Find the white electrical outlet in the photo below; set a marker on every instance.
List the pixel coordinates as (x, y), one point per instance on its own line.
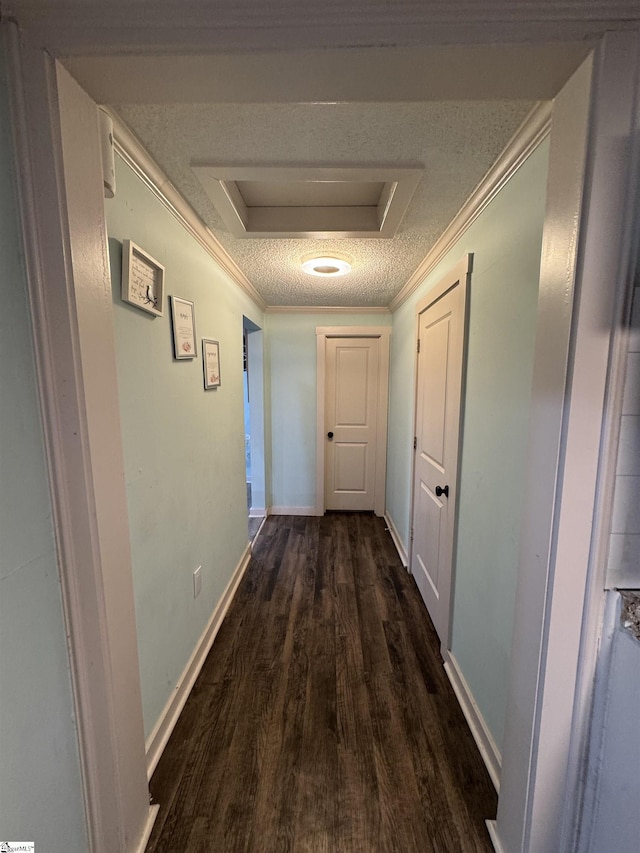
(197, 581)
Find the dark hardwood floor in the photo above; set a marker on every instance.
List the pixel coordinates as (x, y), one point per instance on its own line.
(322, 719)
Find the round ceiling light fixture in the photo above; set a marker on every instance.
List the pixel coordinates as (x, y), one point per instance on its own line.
(326, 266)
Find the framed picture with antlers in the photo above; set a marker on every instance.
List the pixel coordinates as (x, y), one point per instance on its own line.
(142, 279)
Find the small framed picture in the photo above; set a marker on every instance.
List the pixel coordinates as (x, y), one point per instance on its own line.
(211, 363)
(184, 328)
(142, 279)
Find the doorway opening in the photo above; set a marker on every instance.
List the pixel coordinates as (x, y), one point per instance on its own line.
(254, 425)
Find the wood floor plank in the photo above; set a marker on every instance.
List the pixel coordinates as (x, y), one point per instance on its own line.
(358, 813)
(281, 737)
(322, 719)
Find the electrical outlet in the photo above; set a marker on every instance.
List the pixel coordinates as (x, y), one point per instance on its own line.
(197, 581)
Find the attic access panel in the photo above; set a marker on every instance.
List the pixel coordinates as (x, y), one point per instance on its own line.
(314, 202)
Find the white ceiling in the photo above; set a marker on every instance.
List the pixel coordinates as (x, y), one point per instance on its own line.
(438, 85)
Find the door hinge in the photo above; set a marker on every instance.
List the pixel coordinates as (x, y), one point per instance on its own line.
(411, 535)
(418, 344)
(415, 442)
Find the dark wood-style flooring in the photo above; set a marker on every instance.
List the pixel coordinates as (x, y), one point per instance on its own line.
(322, 719)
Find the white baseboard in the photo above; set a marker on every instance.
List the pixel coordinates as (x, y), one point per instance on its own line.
(493, 835)
(481, 734)
(397, 541)
(257, 512)
(141, 846)
(292, 510)
(161, 733)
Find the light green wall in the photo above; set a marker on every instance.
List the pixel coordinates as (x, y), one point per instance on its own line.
(40, 789)
(291, 348)
(183, 446)
(506, 241)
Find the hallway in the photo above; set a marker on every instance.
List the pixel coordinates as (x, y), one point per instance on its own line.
(322, 719)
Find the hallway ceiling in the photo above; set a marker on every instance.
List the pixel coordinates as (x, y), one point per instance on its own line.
(445, 114)
(453, 144)
(301, 84)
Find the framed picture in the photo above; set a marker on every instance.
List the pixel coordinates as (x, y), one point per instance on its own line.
(211, 363)
(184, 328)
(142, 279)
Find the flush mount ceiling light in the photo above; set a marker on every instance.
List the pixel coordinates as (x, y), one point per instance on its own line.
(326, 266)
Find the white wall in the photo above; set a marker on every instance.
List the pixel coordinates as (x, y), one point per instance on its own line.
(623, 569)
(612, 812)
(41, 797)
(291, 358)
(506, 241)
(183, 446)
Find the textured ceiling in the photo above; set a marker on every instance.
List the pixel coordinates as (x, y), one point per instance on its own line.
(455, 142)
(297, 82)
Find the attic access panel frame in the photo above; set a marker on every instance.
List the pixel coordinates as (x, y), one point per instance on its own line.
(316, 221)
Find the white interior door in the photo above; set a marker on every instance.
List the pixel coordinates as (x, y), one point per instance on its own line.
(441, 324)
(351, 419)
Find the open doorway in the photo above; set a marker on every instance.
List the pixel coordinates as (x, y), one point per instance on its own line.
(254, 425)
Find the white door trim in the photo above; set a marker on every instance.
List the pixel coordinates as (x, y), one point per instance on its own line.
(463, 268)
(383, 333)
(62, 211)
(459, 276)
(589, 244)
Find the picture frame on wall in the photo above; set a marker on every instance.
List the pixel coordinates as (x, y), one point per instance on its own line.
(211, 363)
(142, 279)
(184, 328)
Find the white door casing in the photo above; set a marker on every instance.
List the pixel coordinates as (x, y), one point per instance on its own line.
(62, 210)
(588, 261)
(441, 347)
(352, 397)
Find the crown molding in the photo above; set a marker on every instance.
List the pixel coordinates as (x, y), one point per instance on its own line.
(325, 309)
(140, 161)
(533, 130)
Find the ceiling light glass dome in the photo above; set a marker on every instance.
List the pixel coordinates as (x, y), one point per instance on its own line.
(326, 266)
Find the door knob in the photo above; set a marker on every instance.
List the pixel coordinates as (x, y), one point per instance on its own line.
(329, 435)
(440, 491)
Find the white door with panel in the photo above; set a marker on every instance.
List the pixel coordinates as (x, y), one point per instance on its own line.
(441, 325)
(352, 369)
